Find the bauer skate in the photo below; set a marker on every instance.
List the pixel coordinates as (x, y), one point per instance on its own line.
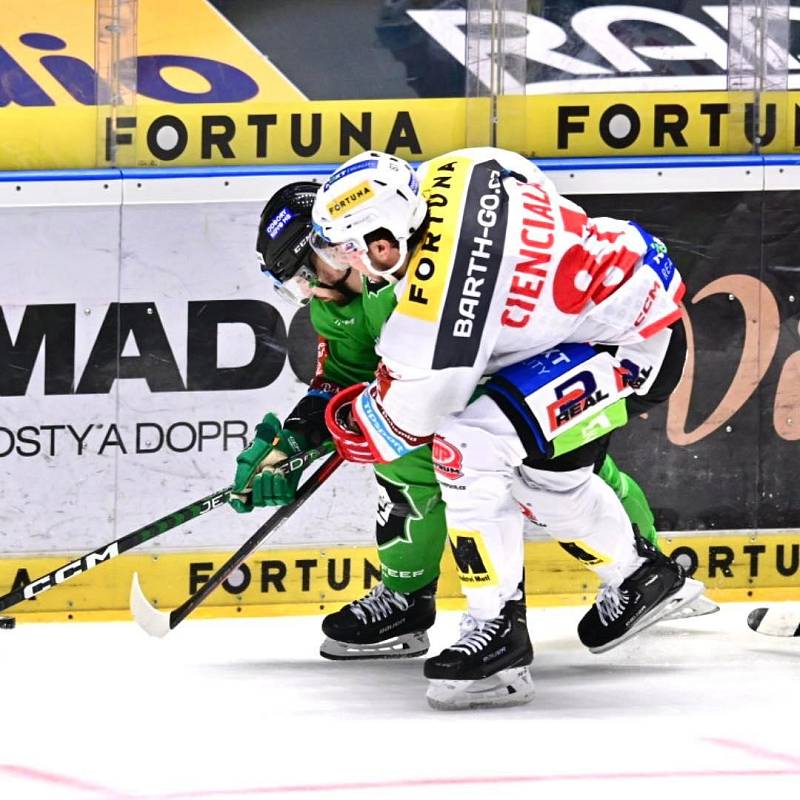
(656, 589)
(382, 624)
(488, 666)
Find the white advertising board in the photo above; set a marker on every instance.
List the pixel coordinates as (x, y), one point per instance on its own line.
(140, 344)
(147, 345)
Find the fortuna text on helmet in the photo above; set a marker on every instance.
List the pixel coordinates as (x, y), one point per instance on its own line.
(371, 191)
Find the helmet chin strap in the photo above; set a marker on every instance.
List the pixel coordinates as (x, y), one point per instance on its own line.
(387, 273)
(337, 284)
(341, 286)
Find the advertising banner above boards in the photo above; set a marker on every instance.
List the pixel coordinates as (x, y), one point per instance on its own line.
(418, 48)
(251, 83)
(318, 580)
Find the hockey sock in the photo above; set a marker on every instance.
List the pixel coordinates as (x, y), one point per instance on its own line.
(632, 497)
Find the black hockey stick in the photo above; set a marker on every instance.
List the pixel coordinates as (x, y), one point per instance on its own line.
(160, 623)
(140, 535)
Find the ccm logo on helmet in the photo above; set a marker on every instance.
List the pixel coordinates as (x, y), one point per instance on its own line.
(349, 200)
(301, 244)
(447, 459)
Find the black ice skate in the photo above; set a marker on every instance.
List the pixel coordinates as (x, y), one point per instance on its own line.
(382, 624)
(487, 666)
(657, 589)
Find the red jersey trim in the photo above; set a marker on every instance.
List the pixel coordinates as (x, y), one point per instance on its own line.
(659, 325)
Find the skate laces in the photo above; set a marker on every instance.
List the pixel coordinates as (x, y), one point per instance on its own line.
(378, 604)
(611, 603)
(476, 633)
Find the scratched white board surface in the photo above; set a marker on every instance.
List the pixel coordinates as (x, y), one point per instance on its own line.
(203, 348)
(168, 294)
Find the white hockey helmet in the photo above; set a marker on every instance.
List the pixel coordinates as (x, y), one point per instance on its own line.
(373, 190)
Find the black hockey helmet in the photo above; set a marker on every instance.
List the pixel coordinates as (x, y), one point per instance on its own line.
(282, 244)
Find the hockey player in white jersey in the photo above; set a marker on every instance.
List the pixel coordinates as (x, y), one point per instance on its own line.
(509, 283)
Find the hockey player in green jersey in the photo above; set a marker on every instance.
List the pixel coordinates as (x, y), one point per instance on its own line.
(348, 312)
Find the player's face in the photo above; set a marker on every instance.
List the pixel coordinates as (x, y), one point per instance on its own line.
(330, 283)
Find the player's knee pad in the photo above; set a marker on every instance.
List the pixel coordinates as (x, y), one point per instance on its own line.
(563, 399)
(558, 499)
(576, 506)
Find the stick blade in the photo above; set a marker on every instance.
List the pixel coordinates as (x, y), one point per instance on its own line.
(147, 617)
(775, 621)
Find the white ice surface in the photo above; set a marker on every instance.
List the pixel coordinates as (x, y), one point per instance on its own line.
(247, 709)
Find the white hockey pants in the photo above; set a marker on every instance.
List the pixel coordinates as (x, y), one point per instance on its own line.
(478, 460)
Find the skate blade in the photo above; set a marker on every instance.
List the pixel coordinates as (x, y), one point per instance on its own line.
(409, 645)
(510, 687)
(690, 590)
(698, 607)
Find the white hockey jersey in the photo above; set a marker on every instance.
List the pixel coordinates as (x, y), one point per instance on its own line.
(508, 268)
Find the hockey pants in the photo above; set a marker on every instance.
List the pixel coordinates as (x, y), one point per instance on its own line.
(410, 527)
(486, 475)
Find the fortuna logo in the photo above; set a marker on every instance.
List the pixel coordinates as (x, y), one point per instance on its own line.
(447, 459)
(342, 204)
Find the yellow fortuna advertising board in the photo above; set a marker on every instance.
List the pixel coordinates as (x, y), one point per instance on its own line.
(736, 567)
(202, 95)
(662, 123)
(182, 86)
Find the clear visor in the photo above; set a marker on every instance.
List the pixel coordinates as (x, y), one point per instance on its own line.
(341, 256)
(298, 288)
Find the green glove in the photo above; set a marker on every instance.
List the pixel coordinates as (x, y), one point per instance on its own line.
(257, 484)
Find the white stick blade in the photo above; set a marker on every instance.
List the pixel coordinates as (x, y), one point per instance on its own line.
(147, 617)
(776, 620)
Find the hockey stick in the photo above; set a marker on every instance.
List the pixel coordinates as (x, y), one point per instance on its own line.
(160, 623)
(144, 534)
(775, 621)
